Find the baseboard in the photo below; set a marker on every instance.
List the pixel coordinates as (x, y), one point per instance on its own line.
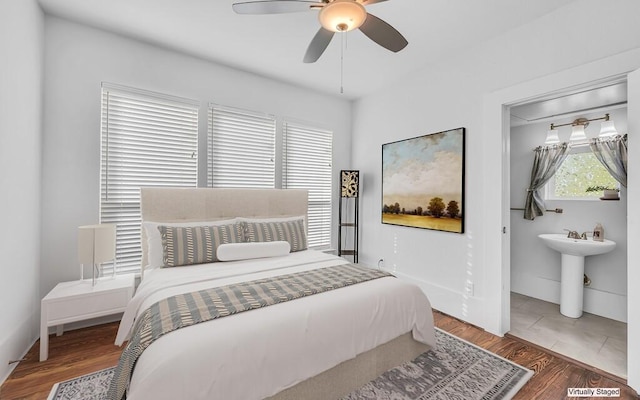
(598, 302)
(456, 304)
(20, 338)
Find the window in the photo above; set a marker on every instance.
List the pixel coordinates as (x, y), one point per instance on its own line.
(147, 139)
(580, 170)
(241, 147)
(242, 153)
(306, 164)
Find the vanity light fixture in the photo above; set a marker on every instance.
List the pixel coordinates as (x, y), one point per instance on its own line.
(607, 129)
(578, 126)
(577, 133)
(552, 137)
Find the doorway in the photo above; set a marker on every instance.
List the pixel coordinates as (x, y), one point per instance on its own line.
(599, 336)
(497, 228)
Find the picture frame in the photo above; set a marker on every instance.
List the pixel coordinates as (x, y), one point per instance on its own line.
(423, 181)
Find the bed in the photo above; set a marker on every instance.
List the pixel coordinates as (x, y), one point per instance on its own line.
(321, 346)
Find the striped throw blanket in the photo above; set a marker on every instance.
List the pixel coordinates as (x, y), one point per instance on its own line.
(191, 308)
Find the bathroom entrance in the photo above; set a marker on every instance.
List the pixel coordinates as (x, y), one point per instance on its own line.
(496, 172)
(538, 282)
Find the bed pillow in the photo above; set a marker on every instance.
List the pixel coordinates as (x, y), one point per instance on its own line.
(269, 219)
(278, 230)
(154, 242)
(247, 251)
(196, 244)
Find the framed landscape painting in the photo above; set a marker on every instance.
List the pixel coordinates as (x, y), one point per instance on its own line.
(423, 181)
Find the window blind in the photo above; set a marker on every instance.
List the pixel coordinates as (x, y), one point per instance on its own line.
(306, 164)
(241, 147)
(147, 139)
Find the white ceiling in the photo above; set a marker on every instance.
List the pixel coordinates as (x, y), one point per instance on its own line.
(273, 45)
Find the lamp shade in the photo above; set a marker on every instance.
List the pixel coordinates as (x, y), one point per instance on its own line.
(552, 137)
(342, 15)
(349, 183)
(96, 243)
(577, 133)
(607, 129)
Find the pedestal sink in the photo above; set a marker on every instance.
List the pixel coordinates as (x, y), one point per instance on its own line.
(571, 280)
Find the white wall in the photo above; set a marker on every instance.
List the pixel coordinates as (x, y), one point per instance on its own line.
(21, 46)
(535, 268)
(449, 95)
(77, 60)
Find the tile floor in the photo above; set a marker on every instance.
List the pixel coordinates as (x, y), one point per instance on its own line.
(592, 339)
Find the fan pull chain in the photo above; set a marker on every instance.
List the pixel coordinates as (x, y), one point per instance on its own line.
(342, 46)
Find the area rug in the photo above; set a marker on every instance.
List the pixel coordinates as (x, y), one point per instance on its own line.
(456, 369)
(93, 386)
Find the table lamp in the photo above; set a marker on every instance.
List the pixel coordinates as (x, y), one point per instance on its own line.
(96, 244)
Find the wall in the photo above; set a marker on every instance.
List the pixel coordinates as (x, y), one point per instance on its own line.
(535, 268)
(21, 46)
(77, 60)
(451, 267)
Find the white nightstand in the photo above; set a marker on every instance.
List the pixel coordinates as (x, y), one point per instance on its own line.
(78, 301)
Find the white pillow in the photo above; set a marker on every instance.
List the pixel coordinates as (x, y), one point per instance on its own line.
(246, 251)
(154, 241)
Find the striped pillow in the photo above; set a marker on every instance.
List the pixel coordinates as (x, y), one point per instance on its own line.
(290, 231)
(195, 244)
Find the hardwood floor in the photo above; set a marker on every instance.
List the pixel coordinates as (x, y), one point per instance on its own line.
(73, 354)
(86, 350)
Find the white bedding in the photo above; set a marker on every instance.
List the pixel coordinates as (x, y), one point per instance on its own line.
(258, 353)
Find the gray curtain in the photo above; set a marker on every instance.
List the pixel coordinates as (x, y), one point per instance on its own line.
(612, 153)
(545, 164)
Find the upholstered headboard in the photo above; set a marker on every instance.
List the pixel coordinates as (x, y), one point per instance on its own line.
(191, 204)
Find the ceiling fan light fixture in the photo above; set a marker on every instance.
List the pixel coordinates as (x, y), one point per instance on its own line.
(342, 15)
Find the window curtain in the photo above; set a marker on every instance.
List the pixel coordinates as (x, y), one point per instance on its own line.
(612, 153)
(545, 164)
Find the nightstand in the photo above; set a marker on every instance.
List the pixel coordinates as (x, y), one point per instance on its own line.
(78, 301)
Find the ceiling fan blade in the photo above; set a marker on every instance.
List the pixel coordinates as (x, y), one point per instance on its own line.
(274, 6)
(367, 2)
(383, 34)
(318, 45)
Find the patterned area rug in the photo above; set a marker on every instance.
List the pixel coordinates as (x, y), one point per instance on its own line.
(456, 369)
(92, 386)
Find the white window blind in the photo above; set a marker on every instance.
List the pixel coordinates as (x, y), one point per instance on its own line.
(306, 164)
(241, 147)
(147, 139)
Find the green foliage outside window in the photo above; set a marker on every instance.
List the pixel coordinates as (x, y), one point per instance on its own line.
(578, 172)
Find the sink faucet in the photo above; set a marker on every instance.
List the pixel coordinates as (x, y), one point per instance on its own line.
(576, 235)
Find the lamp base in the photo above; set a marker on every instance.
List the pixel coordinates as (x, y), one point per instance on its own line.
(96, 274)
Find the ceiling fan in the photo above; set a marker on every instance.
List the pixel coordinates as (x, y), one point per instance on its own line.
(335, 16)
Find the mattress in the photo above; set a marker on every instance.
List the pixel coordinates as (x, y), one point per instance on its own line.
(259, 353)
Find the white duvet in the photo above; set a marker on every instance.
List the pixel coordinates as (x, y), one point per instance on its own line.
(258, 353)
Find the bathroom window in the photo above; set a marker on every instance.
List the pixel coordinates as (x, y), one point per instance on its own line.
(580, 170)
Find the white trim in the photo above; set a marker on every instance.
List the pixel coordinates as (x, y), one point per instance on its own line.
(149, 93)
